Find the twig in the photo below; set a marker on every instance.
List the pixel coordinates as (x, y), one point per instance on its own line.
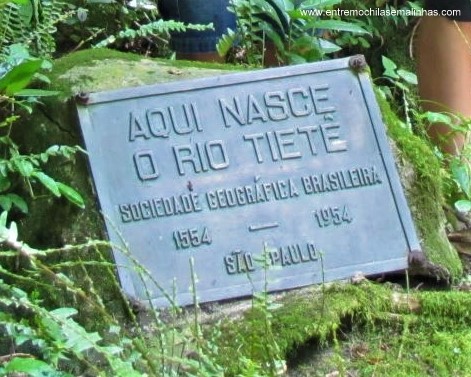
(6, 358)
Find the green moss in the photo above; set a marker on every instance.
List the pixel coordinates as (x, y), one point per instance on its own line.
(367, 329)
(424, 194)
(316, 314)
(104, 69)
(447, 311)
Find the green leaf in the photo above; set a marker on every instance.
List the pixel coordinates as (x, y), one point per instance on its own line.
(280, 7)
(327, 46)
(41, 77)
(389, 67)
(36, 93)
(19, 202)
(48, 182)
(24, 167)
(337, 25)
(64, 313)
(460, 173)
(9, 121)
(296, 59)
(5, 202)
(226, 42)
(4, 183)
(17, 52)
(322, 4)
(401, 86)
(33, 367)
(19, 77)
(53, 149)
(463, 206)
(26, 12)
(72, 195)
(3, 219)
(434, 117)
(78, 339)
(409, 77)
(13, 232)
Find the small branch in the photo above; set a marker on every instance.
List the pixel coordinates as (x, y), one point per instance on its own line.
(6, 358)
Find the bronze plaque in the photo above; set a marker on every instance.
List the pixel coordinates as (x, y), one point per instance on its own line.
(281, 177)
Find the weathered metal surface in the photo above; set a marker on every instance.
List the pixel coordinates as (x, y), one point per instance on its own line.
(292, 163)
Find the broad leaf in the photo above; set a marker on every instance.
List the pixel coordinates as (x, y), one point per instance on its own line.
(320, 4)
(24, 167)
(225, 42)
(19, 2)
(3, 219)
(463, 206)
(409, 77)
(337, 25)
(18, 202)
(389, 67)
(64, 313)
(4, 183)
(36, 93)
(33, 367)
(72, 195)
(5, 202)
(19, 77)
(434, 117)
(327, 46)
(460, 174)
(48, 182)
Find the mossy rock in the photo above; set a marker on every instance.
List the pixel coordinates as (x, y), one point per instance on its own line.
(52, 222)
(421, 174)
(55, 223)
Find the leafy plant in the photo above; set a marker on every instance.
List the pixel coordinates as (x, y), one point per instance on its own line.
(458, 179)
(152, 30)
(297, 32)
(95, 21)
(401, 83)
(378, 27)
(51, 336)
(32, 23)
(18, 74)
(51, 340)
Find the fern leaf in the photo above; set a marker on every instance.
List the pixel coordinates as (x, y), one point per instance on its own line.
(226, 42)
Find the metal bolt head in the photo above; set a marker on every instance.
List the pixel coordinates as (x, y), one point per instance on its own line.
(357, 63)
(82, 98)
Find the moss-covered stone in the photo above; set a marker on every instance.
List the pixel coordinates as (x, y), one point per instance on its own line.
(103, 69)
(421, 178)
(313, 314)
(55, 223)
(261, 335)
(56, 123)
(375, 330)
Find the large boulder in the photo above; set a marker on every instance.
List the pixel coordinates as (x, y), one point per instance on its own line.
(55, 223)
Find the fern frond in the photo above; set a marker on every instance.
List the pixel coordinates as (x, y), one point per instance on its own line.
(226, 42)
(32, 24)
(152, 29)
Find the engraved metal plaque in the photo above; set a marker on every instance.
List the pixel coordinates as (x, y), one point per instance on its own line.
(281, 177)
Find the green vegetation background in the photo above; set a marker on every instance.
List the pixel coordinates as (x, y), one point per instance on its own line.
(62, 311)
